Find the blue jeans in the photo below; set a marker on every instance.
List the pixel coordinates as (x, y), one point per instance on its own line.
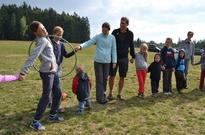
(81, 104)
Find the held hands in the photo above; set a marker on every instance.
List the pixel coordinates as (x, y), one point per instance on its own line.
(113, 65)
(173, 69)
(78, 48)
(132, 60)
(163, 67)
(21, 77)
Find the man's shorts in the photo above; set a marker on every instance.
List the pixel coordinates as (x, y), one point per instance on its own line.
(122, 63)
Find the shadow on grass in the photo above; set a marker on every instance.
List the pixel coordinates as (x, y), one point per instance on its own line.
(18, 123)
(190, 96)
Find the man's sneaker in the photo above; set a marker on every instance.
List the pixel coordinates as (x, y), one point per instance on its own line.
(54, 118)
(180, 92)
(37, 126)
(169, 93)
(199, 88)
(102, 101)
(155, 95)
(80, 112)
(166, 93)
(110, 97)
(120, 97)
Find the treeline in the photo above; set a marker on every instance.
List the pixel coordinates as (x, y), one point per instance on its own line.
(198, 44)
(14, 22)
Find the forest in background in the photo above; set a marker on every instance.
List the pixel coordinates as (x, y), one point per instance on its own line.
(14, 22)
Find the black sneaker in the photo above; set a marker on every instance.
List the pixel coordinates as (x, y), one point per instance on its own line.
(102, 102)
(120, 97)
(110, 97)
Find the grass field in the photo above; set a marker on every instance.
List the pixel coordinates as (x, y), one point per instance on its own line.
(173, 115)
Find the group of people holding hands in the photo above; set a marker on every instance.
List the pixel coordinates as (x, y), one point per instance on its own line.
(111, 54)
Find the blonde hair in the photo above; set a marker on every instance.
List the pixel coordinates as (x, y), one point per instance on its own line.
(58, 29)
(146, 50)
(79, 68)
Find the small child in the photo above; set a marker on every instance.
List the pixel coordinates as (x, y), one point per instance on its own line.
(81, 87)
(141, 68)
(155, 69)
(8, 78)
(179, 71)
(202, 62)
(168, 62)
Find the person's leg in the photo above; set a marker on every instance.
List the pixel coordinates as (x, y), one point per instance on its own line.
(112, 73)
(165, 76)
(57, 93)
(177, 76)
(123, 68)
(169, 80)
(201, 84)
(186, 70)
(106, 68)
(183, 80)
(111, 83)
(140, 81)
(120, 85)
(81, 105)
(47, 80)
(154, 86)
(157, 85)
(144, 73)
(99, 81)
(81, 108)
(88, 103)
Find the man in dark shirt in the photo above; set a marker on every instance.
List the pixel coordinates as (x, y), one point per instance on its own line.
(124, 42)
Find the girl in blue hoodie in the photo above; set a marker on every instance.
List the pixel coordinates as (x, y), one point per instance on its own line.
(179, 71)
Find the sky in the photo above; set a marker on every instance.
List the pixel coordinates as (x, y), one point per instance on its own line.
(150, 20)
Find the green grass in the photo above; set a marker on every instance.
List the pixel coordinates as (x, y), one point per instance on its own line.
(175, 115)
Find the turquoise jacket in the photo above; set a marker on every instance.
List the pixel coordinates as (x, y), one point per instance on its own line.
(105, 51)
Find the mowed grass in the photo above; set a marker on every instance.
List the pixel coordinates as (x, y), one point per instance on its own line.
(175, 114)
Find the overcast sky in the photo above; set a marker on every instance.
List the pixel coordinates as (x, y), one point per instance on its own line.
(149, 19)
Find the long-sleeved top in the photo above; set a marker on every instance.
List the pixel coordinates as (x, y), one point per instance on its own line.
(81, 86)
(155, 70)
(44, 51)
(179, 62)
(167, 55)
(8, 78)
(105, 51)
(140, 61)
(202, 61)
(189, 48)
(60, 52)
(124, 46)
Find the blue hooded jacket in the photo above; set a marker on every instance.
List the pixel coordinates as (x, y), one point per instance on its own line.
(179, 62)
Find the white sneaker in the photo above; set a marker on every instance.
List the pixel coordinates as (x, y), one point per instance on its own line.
(166, 93)
(169, 93)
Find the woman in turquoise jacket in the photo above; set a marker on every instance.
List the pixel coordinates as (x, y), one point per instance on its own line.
(105, 53)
